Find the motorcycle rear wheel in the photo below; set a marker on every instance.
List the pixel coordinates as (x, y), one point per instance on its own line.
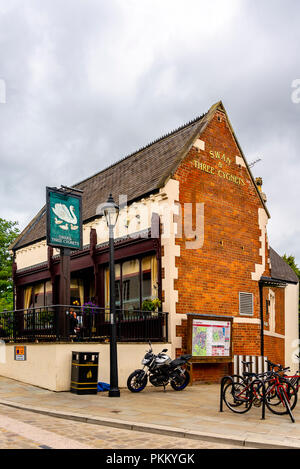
(135, 383)
(178, 385)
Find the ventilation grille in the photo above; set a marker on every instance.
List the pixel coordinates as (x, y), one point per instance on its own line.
(246, 304)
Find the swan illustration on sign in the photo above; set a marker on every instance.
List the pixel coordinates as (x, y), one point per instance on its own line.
(63, 214)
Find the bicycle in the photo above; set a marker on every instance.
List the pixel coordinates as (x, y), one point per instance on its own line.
(295, 378)
(243, 390)
(280, 391)
(253, 388)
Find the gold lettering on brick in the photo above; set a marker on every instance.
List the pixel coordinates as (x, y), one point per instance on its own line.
(222, 174)
(216, 155)
(204, 167)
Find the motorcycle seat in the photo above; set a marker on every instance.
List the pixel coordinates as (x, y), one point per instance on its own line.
(186, 357)
(180, 360)
(177, 362)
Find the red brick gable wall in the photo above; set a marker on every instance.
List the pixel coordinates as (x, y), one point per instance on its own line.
(211, 277)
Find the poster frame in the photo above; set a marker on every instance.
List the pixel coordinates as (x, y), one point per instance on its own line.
(208, 359)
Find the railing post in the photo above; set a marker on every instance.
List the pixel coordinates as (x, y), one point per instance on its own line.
(33, 322)
(14, 325)
(145, 321)
(263, 410)
(58, 312)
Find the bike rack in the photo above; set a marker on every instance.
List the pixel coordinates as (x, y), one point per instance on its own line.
(263, 407)
(227, 379)
(288, 407)
(223, 381)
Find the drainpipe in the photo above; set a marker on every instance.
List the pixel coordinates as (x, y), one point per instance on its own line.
(261, 318)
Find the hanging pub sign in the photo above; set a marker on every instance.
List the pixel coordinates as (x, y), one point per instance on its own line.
(209, 338)
(64, 219)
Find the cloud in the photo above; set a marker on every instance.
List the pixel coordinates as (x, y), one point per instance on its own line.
(89, 81)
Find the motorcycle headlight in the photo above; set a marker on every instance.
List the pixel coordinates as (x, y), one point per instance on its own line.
(145, 361)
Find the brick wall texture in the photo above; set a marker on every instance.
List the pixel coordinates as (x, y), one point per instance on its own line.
(211, 277)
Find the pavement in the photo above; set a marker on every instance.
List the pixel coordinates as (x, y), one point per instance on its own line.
(191, 414)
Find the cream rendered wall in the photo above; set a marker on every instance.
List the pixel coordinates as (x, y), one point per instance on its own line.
(291, 326)
(31, 255)
(49, 365)
(262, 222)
(171, 251)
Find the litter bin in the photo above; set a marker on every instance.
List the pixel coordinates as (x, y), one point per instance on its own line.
(84, 372)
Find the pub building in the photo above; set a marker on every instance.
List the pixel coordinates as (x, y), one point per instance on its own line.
(191, 232)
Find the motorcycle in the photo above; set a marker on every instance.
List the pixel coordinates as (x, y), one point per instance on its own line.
(161, 370)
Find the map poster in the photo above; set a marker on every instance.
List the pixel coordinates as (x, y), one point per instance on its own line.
(210, 338)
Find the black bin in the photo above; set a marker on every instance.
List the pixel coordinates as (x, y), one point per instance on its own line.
(84, 372)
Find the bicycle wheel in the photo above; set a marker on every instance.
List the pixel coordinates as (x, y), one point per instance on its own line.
(238, 379)
(274, 398)
(237, 397)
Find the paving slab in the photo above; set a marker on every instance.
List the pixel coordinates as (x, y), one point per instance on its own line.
(192, 413)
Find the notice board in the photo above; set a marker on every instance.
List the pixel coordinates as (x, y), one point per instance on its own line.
(209, 338)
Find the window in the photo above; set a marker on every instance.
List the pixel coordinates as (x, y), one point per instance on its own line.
(149, 278)
(38, 295)
(76, 291)
(135, 281)
(131, 285)
(272, 310)
(246, 304)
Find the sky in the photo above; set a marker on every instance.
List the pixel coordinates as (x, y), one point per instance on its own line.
(84, 83)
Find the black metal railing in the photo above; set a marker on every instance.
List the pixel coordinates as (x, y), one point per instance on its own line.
(76, 323)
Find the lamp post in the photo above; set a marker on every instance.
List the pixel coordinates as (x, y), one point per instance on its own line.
(111, 211)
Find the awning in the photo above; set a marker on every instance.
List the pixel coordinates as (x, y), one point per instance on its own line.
(272, 282)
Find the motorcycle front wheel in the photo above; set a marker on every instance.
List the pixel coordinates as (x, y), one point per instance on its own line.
(178, 384)
(135, 383)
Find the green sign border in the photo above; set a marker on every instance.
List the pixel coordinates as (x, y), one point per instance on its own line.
(66, 193)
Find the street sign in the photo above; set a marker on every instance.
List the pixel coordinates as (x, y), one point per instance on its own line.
(64, 219)
(20, 353)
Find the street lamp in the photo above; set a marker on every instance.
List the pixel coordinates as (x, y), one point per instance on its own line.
(111, 211)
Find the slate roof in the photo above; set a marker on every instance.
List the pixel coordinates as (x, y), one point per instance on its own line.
(280, 270)
(139, 174)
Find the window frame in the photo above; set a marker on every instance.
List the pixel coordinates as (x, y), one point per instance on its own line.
(140, 258)
(32, 301)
